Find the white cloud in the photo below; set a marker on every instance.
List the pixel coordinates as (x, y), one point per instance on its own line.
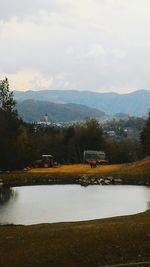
(26, 80)
(91, 44)
(35, 80)
(96, 51)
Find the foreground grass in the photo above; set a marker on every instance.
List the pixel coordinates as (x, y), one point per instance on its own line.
(80, 244)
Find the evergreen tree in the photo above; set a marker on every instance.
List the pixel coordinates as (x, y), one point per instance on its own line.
(14, 144)
(7, 103)
(145, 137)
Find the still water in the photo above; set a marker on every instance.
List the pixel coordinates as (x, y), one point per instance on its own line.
(59, 203)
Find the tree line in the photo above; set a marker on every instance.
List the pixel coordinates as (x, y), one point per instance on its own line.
(21, 143)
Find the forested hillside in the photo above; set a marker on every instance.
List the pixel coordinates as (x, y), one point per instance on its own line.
(32, 110)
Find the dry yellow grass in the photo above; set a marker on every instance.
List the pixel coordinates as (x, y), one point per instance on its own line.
(79, 169)
(132, 168)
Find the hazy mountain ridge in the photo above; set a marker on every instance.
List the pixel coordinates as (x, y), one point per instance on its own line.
(136, 103)
(33, 110)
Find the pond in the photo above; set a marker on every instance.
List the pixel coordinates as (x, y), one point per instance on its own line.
(59, 203)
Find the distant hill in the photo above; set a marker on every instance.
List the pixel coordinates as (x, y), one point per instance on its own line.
(33, 110)
(135, 104)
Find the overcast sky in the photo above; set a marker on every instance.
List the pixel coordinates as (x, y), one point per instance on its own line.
(96, 45)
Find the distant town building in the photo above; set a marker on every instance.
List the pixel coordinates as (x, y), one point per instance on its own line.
(45, 121)
(111, 133)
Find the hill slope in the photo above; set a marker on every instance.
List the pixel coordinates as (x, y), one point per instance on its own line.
(31, 110)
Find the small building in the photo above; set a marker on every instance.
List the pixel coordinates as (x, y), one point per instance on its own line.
(94, 155)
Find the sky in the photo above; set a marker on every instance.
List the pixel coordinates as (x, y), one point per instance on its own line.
(94, 45)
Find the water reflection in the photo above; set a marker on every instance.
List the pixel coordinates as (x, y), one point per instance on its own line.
(7, 194)
(57, 203)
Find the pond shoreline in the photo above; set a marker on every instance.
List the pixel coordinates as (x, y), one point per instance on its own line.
(136, 173)
(26, 178)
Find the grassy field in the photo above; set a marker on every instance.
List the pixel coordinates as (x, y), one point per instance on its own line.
(80, 244)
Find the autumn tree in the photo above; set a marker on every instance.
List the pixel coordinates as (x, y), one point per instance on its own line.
(88, 136)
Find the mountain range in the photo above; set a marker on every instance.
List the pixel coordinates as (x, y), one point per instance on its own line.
(136, 103)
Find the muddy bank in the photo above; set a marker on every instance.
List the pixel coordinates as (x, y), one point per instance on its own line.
(27, 178)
